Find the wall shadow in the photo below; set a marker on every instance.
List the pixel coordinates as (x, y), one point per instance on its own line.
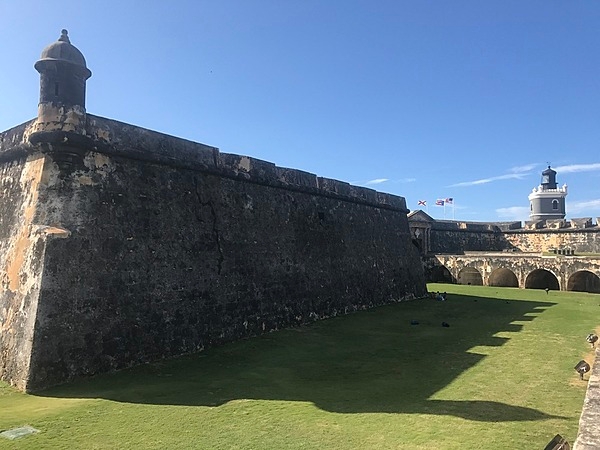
(391, 359)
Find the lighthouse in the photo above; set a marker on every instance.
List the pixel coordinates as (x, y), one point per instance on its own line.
(547, 201)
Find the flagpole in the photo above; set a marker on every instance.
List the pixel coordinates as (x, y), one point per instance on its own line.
(451, 201)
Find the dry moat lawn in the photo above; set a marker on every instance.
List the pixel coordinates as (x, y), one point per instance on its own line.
(500, 376)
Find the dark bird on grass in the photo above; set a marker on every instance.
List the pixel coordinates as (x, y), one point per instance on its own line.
(445, 324)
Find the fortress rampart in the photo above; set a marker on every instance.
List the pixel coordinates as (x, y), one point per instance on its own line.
(554, 254)
(585, 240)
(577, 240)
(456, 237)
(125, 245)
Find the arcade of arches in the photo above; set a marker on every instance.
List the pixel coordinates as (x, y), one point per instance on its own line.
(526, 273)
(582, 281)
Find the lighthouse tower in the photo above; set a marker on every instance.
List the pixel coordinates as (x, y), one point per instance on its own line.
(547, 201)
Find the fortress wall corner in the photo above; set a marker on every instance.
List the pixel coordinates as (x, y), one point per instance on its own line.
(156, 251)
(22, 247)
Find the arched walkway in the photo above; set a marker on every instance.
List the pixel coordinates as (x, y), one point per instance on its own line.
(542, 279)
(440, 274)
(532, 271)
(470, 275)
(584, 281)
(504, 278)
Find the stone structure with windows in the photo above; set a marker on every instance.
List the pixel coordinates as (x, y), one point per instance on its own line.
(547, 251)
(547, 201)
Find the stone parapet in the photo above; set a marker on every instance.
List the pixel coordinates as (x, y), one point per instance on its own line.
(13, 142)
(119, 139)
(457, 225)
(505, 226)
(588, 437)
(584, 222)
(556, 224)
(534, 224)
(451, 225)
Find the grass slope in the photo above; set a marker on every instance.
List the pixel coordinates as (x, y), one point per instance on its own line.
(501, 376)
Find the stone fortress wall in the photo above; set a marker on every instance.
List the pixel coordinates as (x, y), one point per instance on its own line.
(569, 240)
(577, 235)
(572, 236)
(557, 253)
(126, 245)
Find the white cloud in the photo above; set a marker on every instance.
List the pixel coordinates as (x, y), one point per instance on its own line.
(585, 206)
(520, 172)
(383, 180)
(578, 168)
(377, 181)
(508, 176)
(513, 213)
(523, 168)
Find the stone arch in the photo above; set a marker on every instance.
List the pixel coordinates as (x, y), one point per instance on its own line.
(470, 275)
(542, 279)
(584, 281)
(504, 278)
(440, 274)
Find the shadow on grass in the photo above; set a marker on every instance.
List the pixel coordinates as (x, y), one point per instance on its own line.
(372, 361)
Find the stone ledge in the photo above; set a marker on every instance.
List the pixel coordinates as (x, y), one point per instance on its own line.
(556, 224)
(588, 437)
(583, 222)
(119, 139)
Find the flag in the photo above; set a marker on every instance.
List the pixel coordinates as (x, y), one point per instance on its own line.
(450, 200)
(422, 202)
(439, 202)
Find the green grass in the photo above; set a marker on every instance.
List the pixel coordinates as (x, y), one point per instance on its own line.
(501, 376)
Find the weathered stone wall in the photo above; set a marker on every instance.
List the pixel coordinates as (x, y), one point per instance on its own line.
(588, 436)
(447, 239)
(172, 246)
(585, 240)
(21, 259)
(458, 241)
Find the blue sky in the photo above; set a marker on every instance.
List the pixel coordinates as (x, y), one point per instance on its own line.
(424, 99)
